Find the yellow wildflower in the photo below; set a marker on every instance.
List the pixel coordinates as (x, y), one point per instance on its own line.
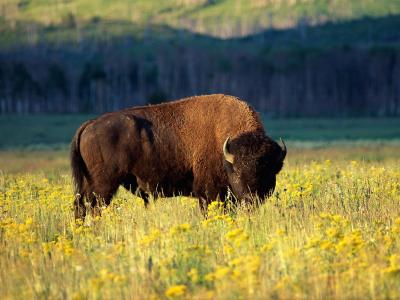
(193, 275)
(180, 228)
(176, 291)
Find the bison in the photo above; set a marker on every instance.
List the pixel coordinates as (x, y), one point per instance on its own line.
(201, 146)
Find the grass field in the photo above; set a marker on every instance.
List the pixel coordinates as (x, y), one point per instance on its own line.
(331, 229)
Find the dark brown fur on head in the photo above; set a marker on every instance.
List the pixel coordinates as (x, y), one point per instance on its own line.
(257, 160)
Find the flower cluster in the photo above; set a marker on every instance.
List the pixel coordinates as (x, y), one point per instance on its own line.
(331, 229)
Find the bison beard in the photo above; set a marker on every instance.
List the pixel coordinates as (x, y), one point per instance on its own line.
(198, 146)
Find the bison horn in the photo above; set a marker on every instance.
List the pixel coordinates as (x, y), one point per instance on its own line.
(284, 150)
(228, 156)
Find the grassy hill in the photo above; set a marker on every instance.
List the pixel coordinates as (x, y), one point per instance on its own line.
(25, 20)
(284, 13)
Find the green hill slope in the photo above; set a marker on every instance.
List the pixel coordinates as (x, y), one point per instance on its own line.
(23, 19)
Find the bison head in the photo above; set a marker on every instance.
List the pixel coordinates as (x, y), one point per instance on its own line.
(252, 162)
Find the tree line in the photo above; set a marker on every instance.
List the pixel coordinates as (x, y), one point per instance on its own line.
(336, 82)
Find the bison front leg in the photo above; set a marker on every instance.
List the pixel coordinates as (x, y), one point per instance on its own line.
(205, 193)
(145, 196)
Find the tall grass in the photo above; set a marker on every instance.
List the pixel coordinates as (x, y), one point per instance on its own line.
(331, 230)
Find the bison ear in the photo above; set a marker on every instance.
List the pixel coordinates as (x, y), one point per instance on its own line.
(228, 156)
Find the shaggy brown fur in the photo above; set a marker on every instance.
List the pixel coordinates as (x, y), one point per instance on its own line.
(174, 148)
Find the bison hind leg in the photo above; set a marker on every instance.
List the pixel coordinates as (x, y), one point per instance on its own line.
(98, 194)
(130, 183)
(79, 208)
(81, 204)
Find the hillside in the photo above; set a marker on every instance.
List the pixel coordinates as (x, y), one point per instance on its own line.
(218, 18)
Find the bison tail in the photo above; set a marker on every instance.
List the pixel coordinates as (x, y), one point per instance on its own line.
(78, 166)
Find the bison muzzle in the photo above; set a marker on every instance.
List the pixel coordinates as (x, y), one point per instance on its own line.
(200, 146)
